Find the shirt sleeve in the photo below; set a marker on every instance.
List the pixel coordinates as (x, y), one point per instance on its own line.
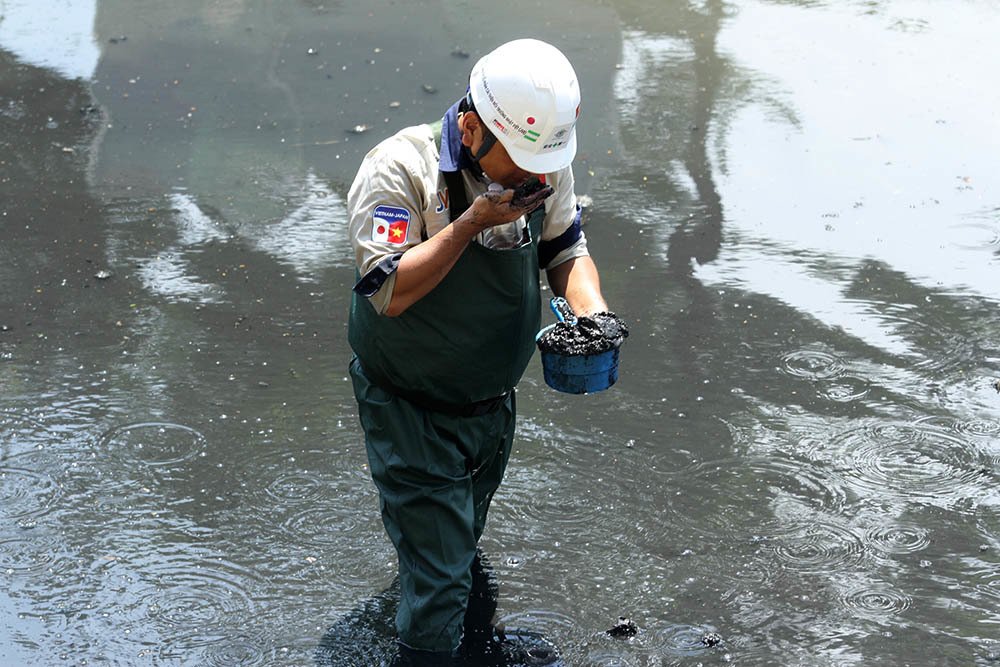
(562, 231)
(385, 206)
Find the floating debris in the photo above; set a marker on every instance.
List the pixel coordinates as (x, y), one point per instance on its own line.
(428, 88)
(393, 105)
(5, 328)
(711, 638)
(459, 52)
(585, 201)
(119, 38)
(360, 129)
(103, 274)
(625, 629)
(312, 52)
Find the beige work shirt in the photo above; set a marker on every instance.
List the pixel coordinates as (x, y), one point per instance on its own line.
(399, 198)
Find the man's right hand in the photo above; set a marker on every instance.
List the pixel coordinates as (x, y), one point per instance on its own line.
(423, 266)
(498, 207)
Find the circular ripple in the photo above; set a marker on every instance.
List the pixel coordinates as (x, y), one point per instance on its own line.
(325, 525)
(26, 493)
(916, 462)
(818, 547)
(846, 388)
(290, 478)
(933, 345)
(678, 640)
(294, 487)
(191, 596)
(812, 364)
(978, 428)
(753, 499)
(897, 539)
(25, 555)
(533, 500)
(214, 647)
(548, 624)
(878, 602)
(152, 443)
(974, 236)
(20, 433)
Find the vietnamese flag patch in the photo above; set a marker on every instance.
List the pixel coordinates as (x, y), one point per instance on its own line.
(390, 224)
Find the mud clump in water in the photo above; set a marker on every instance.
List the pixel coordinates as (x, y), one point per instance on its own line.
(596, 334)
(624, 629)
(711, 639)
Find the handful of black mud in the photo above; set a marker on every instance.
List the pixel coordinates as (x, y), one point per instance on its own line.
(596, 334)
(524, 191)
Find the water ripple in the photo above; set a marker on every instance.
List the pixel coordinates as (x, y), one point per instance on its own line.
(937, 343)
(326, 525)
(977, 428)
(191, 594)
(915, 462)
(677, 640)
(875, 602)
(894, 538)
(812, 364)
(216, 646)
(818, 547)
(152, 443)
(845, 388)
(20, 433)
(549, 624)
(290, 478)
(754, 498)
(26, 493)
(25, 555)
(531, 498)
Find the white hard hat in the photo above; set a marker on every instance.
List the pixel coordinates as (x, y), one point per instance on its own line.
(527, 94)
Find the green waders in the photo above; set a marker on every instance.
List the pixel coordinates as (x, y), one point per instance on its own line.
(435, 397)
(436, 475)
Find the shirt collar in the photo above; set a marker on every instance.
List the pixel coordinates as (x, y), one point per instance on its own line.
(453, 158)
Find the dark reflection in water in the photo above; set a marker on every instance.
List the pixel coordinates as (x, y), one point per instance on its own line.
(794, 204)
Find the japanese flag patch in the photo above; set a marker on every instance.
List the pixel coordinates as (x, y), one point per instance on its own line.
(389, 224)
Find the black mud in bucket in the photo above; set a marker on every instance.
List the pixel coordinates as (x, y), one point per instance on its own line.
(577, 374)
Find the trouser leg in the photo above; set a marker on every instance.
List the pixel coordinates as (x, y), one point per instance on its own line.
(486, 477)
(433, 509)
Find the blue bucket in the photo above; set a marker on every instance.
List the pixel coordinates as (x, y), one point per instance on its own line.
(577, 374)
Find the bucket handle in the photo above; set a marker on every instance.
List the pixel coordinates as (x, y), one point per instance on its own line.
(562, 309)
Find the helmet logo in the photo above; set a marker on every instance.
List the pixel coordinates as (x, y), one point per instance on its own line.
(531, 120)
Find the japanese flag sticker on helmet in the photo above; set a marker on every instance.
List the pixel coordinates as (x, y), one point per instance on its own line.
(389, 224)
(527, 94)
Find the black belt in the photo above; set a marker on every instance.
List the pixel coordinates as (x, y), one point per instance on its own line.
(474, 409)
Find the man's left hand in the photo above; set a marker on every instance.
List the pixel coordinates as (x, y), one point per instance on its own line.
(605, 324)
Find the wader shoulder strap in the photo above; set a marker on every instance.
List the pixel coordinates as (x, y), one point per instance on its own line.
(458, 200)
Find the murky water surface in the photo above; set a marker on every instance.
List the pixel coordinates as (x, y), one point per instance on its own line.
(796, 207)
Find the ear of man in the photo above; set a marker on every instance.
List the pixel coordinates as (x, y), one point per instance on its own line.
(468, 123)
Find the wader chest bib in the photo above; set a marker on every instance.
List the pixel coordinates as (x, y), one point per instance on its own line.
(469, 339)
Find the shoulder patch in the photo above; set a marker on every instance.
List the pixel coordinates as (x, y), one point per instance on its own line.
(390, 224)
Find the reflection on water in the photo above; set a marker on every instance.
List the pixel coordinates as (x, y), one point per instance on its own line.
(795, 206)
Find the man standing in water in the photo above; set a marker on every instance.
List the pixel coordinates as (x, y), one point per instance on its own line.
(450, 231)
